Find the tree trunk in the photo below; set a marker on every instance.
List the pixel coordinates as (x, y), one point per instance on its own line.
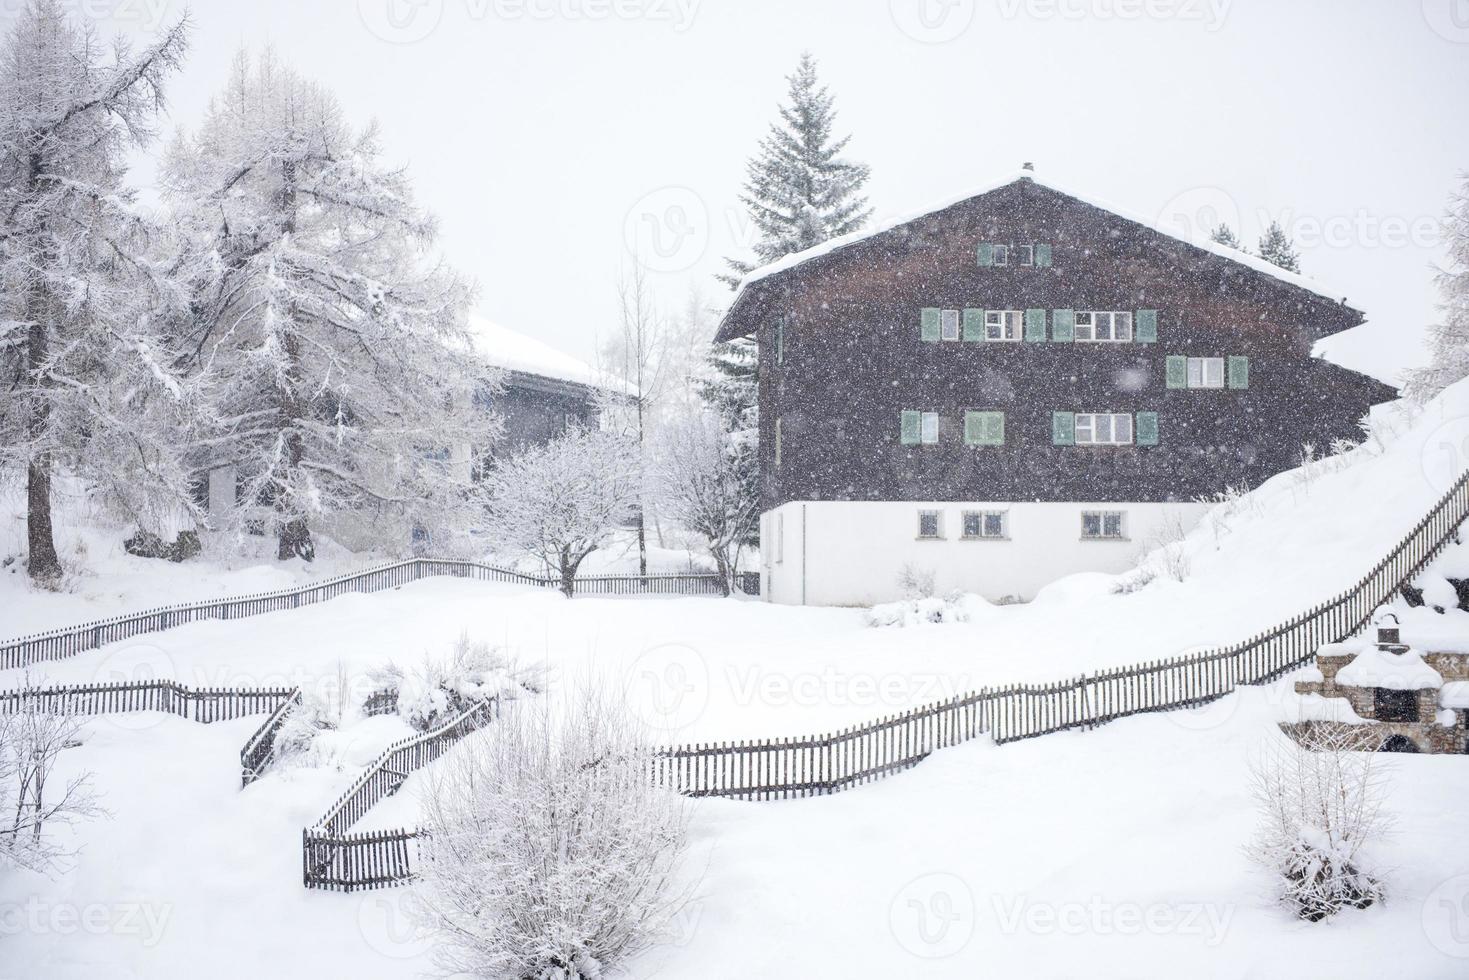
(43, 564)
(293, 534)
(642, 542)
(568, 575)
(726, 573)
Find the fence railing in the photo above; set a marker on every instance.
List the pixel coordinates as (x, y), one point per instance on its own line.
(203, 705)
(260, 751)
(827, 763)
(69, 641)
(333, 858)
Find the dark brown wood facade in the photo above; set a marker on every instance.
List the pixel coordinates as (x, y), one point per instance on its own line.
(851, 360)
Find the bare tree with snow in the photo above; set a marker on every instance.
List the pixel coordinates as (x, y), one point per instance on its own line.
(700, 476)
(562, 501)
(1320, 798)
(338, 370)
(32, 739)
(550, 852)
(81, 299)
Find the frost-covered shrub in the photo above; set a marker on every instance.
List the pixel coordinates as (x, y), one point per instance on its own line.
(957, 607)
(917, 582)
(295, 741)
(550, 852)
(441, 687)
(1320, 800)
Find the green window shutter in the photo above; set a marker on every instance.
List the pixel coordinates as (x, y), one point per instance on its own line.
(1146, 428)
(912, 428)
(1035, 324)
(1177, 376)
(986, 253)
(994, 428)
(1063, 326)
(930, 324)
(973, 324)
(973, 428)
(1145, 328)
(1239, 372)
(1043, 256)
(1063, 428)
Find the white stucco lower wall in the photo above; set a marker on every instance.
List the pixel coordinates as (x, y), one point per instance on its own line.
(847, 553)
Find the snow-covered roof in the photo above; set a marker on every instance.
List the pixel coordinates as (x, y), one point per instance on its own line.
(1199, 241)
(1455, 694)
(515, 351)
(1398, 671)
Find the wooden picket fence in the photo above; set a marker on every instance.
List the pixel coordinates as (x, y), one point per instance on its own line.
(260, 751)
(202, 705)
(68, 641)
(333, 858)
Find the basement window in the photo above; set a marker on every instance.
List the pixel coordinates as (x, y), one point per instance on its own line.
(982, 524)
(930, 525)
(1102, 525)
(1391, 705)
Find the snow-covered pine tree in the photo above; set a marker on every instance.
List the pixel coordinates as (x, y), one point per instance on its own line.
(1276, 248)
(1225, 235)
(799, 190)
(1448, 340)
(333, 348)
(79, 295)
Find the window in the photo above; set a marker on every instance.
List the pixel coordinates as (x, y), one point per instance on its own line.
(930, 525)
(1394, 705)
(777, 441)
(984, 428)
(1206, 372)
(949, 321)
(1098, 429)
(1002, 324)
(930, 428)
(1002, 255)
(1026, 253)
(1103, 327)
(1102, 525)
(780, 538)
(980, 524)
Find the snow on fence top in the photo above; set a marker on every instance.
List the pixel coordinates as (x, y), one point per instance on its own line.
(1198, 241)
(515, 351)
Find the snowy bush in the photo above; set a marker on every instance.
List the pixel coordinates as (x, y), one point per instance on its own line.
(957, 607)
(1320, 799)
(550, 853)
(916, 582)
(441, 687)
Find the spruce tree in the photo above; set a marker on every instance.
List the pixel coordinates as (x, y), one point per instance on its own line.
(799, 190)
(1448, 340)
(1276, 248)
(1225, 235)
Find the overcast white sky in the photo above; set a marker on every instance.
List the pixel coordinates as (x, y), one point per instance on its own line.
(550, 134)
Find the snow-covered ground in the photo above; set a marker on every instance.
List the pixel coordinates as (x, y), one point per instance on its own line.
(1114, 853)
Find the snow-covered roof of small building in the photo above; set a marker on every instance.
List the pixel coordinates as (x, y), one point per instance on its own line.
(1397, 671)
(1455, 694)
(515, 351)
(1197, 240)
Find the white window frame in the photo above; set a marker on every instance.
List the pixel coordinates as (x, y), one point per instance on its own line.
(1090, 427)
(1199, 374)
(927, 421)
(1088, 330)
(1102, 517)
(1010, 324)
(984, 516)
(938, 524)
(1027, 254)
(948, 324)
